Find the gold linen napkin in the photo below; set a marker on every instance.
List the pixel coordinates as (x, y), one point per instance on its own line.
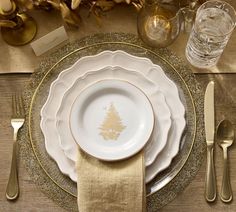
(110, 186)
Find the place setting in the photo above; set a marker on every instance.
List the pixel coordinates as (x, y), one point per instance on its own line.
(117, 121)
(106, 109)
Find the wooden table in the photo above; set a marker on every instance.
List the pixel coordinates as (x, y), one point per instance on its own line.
(191, 199)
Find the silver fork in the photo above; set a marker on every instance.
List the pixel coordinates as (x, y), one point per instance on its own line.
(17, 121)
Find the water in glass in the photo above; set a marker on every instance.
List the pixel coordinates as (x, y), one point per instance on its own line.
(209, 36)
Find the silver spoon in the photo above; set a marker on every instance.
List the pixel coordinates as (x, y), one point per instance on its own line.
(225, 138)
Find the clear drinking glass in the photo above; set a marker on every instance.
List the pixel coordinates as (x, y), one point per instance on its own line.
(214, 23)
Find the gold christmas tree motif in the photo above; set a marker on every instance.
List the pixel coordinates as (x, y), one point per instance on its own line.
(112, 125)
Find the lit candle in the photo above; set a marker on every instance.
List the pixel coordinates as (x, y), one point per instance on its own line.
(5, 5)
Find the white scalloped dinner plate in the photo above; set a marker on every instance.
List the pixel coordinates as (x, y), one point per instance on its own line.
(111, 119)
(157, 99)
(127, 61)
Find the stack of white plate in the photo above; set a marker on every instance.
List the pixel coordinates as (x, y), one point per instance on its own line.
(113, 87)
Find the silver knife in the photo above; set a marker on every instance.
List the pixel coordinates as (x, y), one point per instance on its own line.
(209, 118)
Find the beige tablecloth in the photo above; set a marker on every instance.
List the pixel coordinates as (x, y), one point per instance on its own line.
(121, 19)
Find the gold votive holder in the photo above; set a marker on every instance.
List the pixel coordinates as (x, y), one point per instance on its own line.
(19, 28)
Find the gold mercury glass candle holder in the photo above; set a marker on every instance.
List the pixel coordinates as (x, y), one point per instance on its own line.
(158, 24)
(17, 28)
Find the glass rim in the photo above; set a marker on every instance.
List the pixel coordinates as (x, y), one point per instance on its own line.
(175, 16)
(222, 3)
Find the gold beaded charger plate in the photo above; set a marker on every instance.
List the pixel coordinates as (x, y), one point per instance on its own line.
(167, 184)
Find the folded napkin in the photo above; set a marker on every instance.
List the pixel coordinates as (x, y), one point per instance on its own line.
(111, 186)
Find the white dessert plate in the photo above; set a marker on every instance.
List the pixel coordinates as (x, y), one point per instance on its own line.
(127, 61)
(111, 120)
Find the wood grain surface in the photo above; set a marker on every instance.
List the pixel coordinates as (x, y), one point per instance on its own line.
(191, 199)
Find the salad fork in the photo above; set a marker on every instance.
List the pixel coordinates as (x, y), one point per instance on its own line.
(17, 121)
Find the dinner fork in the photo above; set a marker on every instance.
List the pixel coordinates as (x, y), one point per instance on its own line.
(17, 121)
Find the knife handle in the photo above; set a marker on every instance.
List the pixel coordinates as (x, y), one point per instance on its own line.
(210, 187)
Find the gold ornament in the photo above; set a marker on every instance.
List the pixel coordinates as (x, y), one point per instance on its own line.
(75, 4)
(69, 9)
(70, 17)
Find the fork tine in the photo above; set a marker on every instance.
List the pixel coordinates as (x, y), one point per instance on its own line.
(14, 104)
(17, 105)
(21, 105)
